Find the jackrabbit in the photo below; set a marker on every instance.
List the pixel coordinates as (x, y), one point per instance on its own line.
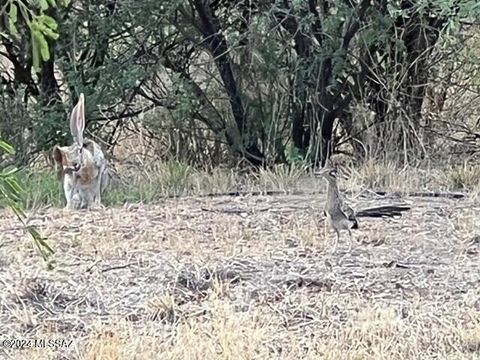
(81, 166)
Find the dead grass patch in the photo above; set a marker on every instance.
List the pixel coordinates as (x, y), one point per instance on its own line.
(248, 277)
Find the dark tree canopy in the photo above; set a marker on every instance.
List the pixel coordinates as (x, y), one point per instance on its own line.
(265, 81)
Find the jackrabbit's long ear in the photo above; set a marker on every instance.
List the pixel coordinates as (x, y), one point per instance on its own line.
(77, 120)
(57, 155)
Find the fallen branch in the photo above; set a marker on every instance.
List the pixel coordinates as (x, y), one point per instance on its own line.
(446, 194)
(451, 195)
(383, 211)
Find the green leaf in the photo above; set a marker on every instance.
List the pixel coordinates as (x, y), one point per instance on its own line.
(48, 21)
(16, 210)
(6, 147)
(42, 44)
(5, 173)
(43, 4)
(37, 25)
(51, 34)
(53, 3)
(13, 29)
(12, 20)
(34, 232)
(12, 181)
(11, 193)
(44, 50)
(13, 12)
(35, 54)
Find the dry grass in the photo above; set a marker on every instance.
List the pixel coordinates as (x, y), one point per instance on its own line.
(390, 177)
(151, 182)
(281, 177)
(246, 278)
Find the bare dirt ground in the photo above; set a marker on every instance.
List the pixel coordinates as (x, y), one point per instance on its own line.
(245, 278)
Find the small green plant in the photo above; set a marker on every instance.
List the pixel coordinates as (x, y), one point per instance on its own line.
(11, 196)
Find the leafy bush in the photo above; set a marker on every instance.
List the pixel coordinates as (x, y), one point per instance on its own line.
(11, 196)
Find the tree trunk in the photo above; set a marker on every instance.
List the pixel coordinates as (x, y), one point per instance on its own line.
(217, 45)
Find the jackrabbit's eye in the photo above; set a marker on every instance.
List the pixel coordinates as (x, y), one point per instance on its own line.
(333, 173)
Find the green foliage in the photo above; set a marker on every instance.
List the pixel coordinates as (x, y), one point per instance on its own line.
(7, 148)
(42, 27)
(12, 20)
(11, 196)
